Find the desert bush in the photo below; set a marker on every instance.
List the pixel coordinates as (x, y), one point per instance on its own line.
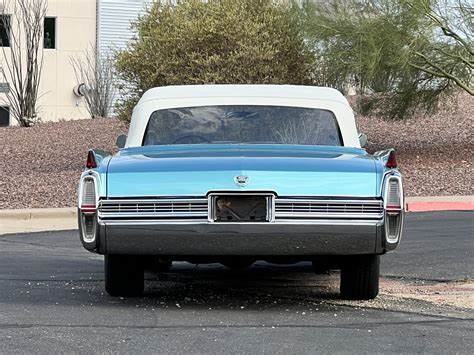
(402, 57)
(214, 42)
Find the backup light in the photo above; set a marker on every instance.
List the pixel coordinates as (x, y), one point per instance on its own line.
(88, 193)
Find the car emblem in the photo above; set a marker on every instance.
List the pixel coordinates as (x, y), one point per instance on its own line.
(241, 180)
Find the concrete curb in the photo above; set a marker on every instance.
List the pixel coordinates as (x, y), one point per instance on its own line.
(439, 203)
(48, 219)
(38, 213)
(37, 220)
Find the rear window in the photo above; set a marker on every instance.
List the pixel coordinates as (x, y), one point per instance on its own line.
(243, 124)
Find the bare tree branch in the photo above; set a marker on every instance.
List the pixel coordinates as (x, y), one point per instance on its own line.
(97, 75)
(466, 61)
(455, 23)
(440, 72)
(23, 74)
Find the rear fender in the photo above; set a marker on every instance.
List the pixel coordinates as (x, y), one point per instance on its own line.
(99, 155)
(383, 155)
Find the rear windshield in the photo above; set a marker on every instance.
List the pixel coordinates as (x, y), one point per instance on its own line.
(243, 124)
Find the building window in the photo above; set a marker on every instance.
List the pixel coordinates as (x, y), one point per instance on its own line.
(4, 116)
(5, 25)
(4, 88)
(49, 32)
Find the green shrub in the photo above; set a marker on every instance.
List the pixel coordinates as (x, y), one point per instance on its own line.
(214, 42)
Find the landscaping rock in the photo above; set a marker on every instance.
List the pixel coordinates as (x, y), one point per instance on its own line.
(40, 166)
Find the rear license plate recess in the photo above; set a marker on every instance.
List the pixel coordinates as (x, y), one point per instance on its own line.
(241, 208)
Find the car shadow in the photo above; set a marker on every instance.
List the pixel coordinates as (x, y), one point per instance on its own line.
(261, 285)
(200, 287)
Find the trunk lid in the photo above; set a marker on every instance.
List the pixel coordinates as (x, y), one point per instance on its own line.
(195, 170)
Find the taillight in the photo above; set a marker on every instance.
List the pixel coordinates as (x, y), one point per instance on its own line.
(88, 209)
(88, 200)
(91, 162)
(394, 198)
(393, 205)
(391, 161)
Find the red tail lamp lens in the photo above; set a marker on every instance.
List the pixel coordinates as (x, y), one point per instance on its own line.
(88, 209)
(91, 163)
(393, 209)
(392, 161)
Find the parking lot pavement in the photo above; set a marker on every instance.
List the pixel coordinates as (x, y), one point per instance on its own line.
(52, 300)
(435, 246)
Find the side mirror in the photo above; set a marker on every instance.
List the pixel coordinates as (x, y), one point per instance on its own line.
(363, 139)
(121, 140)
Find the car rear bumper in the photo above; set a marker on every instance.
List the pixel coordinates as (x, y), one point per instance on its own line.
(283, 238)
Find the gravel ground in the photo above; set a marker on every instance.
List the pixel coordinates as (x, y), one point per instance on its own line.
(434, 152)
(455, 298)
(40, 166)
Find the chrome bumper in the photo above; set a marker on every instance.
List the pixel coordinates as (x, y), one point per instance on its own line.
(278, 238)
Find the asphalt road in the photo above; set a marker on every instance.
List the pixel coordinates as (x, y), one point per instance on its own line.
(52, 300)
(435, 246)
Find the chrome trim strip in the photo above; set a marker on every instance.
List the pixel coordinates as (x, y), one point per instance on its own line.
(173, 209)
(167, 216)
(328, 222)
(385, 176)
(248, 190)
(307, 208)
(306, 200)
(312, 215)
(153, 208)
(156, 200)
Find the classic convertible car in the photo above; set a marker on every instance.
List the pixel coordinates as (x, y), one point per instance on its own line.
(239, 173)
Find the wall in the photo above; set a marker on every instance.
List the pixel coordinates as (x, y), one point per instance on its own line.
(75, 33)
(114, 19)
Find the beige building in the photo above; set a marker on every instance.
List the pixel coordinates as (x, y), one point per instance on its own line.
(71, 27)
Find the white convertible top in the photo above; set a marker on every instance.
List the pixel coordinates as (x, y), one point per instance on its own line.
(279, 91)
(278, 95)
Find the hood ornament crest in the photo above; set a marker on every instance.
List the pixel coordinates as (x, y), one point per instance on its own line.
(241, 180)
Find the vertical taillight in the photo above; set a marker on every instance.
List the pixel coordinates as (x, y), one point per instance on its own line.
(393, 204)
(394, 198)
(88, 198)
(88, 209)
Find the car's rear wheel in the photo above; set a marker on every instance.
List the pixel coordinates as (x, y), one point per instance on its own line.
(124, 275)
(360, 277)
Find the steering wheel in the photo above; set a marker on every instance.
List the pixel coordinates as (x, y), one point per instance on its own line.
(191, 136)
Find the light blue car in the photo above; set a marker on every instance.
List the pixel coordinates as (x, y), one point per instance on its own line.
(239, 173)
